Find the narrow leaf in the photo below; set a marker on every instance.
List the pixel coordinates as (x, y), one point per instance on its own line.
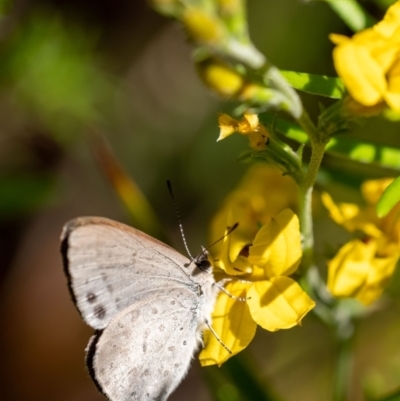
(364, 152)
(352, 14)
(389, 198)
(315, 84)
(340, 146)
(289, 129)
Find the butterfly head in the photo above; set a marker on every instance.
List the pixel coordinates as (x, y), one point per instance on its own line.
(202, 261)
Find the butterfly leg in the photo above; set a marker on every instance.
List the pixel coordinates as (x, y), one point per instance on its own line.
(217, 337)
(220, 286)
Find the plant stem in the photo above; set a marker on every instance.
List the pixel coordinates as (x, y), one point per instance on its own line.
(344, 367)
(308, 126)
(306, 188)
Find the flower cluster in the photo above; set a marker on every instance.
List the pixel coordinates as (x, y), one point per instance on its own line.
(256, 259)
(363, 266)
(369, 62)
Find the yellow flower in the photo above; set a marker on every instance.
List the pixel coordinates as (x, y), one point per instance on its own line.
(249, 125)
(219, 77)
(369, 62)
(203, 26)
(362, 267)
(262, 193)
(261, 259)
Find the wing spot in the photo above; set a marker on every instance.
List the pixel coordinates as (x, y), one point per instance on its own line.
(144, 348)
(110, 288)
(146, 373)
(100, 312)
(135, 315)
(172, 348)
(184, 343)
(154, 311)
(91, 297)
(181, 329)
(172, 302)
(177, 365)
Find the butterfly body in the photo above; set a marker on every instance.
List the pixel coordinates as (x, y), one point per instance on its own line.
(147, 303)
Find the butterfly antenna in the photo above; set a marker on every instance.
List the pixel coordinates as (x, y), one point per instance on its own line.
(178, 215)
(230, 230)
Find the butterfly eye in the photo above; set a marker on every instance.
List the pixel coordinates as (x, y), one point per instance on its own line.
(203, 263)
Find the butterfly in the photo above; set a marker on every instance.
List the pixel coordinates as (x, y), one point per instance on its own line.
(147, 303)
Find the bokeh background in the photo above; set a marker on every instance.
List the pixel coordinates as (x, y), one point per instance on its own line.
(70, 67)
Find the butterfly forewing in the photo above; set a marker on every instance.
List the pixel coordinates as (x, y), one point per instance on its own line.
(110, 266)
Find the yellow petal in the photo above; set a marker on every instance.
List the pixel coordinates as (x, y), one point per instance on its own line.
(277, 246)
(232, 256)
(258, 139)
(392, 96)
(338, 215)
(378, 276)
(351, 217)
(232, 322)
(372, 190)
(227, 126)
(262, 193)
(252, 119)
(203, 26)
(348, 270)
(279, 303)
(363, 76)
(219, 77)
(391, 21)
(338, 39)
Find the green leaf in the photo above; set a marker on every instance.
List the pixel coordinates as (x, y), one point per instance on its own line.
(389, 198)
(321, 85)
(289, 129)
(340, 146)
(364, 152)
(352, 14)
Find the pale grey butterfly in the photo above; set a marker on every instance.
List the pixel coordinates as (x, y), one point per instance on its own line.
(147, 303)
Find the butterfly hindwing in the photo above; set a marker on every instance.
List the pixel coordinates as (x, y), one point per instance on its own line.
(145, 350)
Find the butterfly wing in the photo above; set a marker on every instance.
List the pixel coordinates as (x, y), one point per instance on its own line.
(110, 266)
(146, 349)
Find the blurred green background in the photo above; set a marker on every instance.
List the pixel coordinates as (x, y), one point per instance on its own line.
(117, 66)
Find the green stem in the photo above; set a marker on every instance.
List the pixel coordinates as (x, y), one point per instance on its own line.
(306, 188)
(344, 367)
(308, 126)
(306, 226)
